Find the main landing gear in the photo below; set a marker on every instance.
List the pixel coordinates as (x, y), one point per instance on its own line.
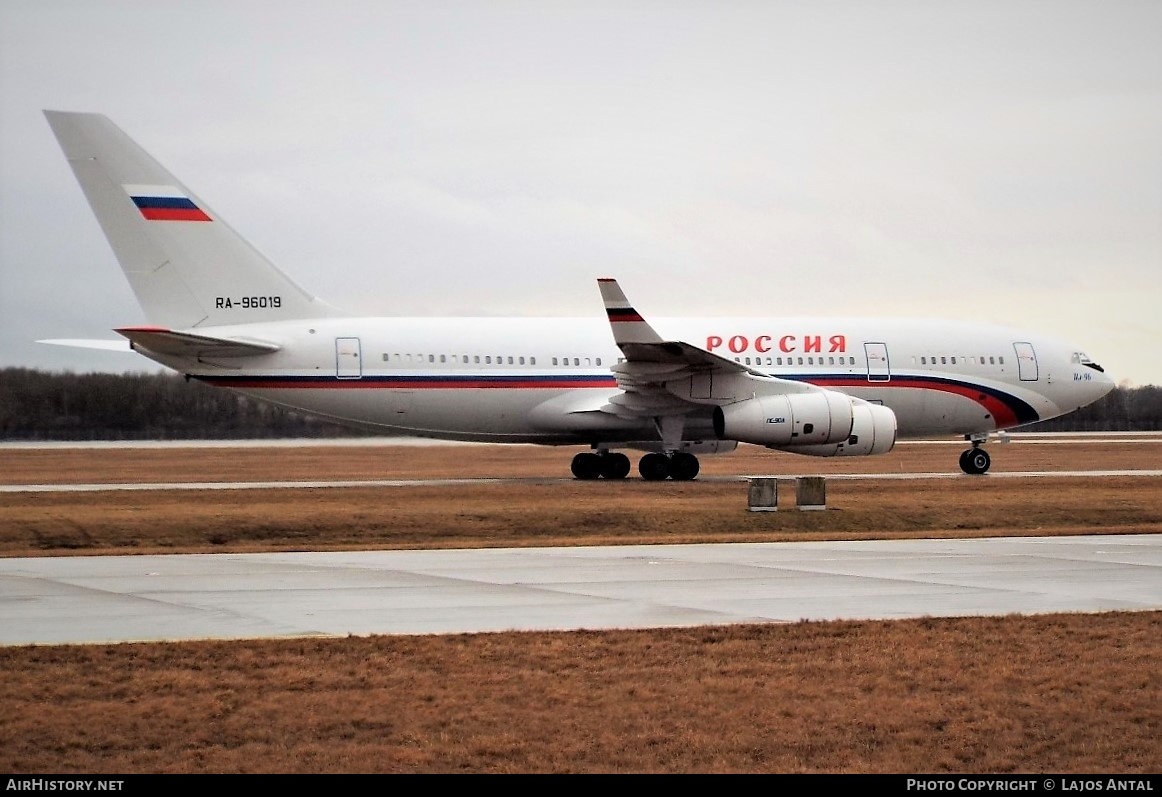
(678, 466)
(607, 464)
(975, 461)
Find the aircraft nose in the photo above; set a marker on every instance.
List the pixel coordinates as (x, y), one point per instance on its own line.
(1107, 385)
(1101, 386)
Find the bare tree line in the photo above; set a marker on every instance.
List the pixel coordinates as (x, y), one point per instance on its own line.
(1125, 409)
(42, 405)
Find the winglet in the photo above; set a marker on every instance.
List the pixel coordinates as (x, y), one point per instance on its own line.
(627, 324)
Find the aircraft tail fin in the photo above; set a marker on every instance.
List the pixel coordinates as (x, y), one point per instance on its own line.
(187, 267)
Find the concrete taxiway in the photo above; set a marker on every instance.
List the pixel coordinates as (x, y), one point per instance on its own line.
(98, 599)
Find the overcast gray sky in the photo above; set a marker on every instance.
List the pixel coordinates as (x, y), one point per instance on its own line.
(991, 160)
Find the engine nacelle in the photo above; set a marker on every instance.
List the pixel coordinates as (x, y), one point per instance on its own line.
(817, 418)
(873, 431)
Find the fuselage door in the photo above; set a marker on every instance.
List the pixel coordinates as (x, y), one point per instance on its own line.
(877, 362)
(347, 359)
(1026, 361)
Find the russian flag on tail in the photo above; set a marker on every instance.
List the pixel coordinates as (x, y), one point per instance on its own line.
(165, 203)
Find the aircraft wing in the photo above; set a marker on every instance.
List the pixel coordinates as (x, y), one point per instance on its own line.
(661, 377)
(641, 344)
(187, 344)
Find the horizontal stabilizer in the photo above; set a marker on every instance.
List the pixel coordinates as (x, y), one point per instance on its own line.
(186, 344)
(90, 343)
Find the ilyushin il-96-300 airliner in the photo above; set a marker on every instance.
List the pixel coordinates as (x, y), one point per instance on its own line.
(673, 388)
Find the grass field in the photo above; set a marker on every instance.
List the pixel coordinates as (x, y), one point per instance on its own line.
(1040, 694)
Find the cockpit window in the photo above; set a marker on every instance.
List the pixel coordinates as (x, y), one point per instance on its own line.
(1083, 359)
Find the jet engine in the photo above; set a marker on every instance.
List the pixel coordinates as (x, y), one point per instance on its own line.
(823, 423)
(873, 431)
(817, 417)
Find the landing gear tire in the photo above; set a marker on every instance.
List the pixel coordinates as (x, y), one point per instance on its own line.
(654, 467)
(975, 461)
(586, 466)
(614, 466)
(658, 467)
(683, 467)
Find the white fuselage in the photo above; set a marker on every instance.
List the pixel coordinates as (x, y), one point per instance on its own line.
(542, 380)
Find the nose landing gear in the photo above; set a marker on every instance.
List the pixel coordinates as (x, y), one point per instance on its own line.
(975, 461)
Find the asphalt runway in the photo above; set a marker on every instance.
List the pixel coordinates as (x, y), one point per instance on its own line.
(1025, 439)
(104, 599)
(302, 485)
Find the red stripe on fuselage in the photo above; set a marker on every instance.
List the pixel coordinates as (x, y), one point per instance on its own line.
(1002, 413)
(427, 384)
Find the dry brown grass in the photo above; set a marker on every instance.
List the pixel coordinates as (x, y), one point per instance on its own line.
(543, 506)
(558, 513)
(1057, 693)
(1067, 694)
